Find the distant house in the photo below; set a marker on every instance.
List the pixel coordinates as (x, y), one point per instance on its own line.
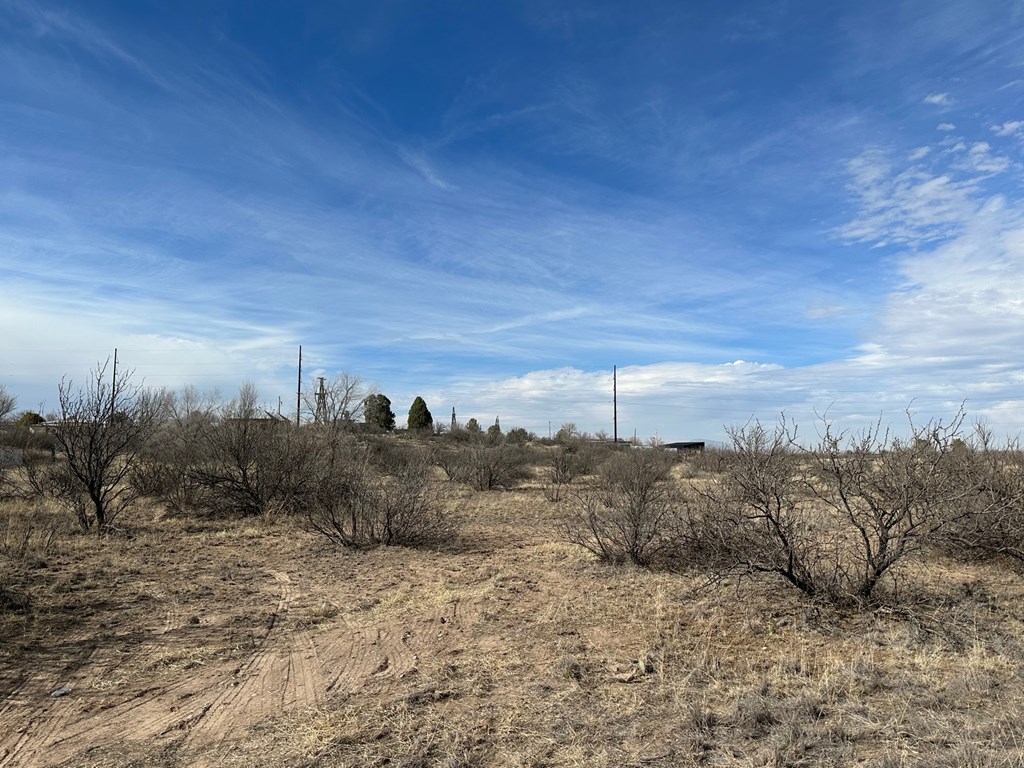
(691, 447)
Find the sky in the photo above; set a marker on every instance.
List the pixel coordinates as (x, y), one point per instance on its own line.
(750, 208)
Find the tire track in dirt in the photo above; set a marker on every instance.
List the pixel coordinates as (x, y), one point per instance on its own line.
(16, 699)
(357, 653)
(290, 666)
(42, 723)
(258, 688)
(54, 729)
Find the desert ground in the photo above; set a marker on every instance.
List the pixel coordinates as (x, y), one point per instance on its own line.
(184, 641)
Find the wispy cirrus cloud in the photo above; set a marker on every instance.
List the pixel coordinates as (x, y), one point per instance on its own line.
(905, 206)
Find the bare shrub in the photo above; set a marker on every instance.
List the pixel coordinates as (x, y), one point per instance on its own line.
(20, 474)
(58, 482)
(180, 445)
(452, 459)
(835, 520)
(565, 464)
(7, 403)
(253, 464)
(389, 453)
(500, 465)
(990, 520)
(357, 505)
(484, 466)
(625, 517)
(890, 495)
(754, 517)
(103, 427)
(710, 461)
(338, 404)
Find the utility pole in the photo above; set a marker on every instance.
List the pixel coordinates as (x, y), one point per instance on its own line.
(615, 405)
(298, 393)
(113, 386)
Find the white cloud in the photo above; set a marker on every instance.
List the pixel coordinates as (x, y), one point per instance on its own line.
(1009, 128)
(919, 153)
(825, 312)
(945, 127)
(938, 99)
(911, 206)
(980, 159)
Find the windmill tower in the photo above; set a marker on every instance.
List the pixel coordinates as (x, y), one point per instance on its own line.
(321, 401)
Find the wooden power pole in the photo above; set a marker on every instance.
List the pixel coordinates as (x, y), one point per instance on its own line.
(298, 392)
(615, 405)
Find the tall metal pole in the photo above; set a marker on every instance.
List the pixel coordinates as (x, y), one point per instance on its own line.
(298, 392)
(113, 386)
(615, 404)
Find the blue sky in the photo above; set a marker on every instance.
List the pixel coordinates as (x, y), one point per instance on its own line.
(747, 207)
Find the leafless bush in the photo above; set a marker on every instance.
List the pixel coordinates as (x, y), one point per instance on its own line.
(501, 465)
(565, 464)
(253, 464)
(990, 520)
(103, 427)
(30, 453)
(57, 482)
(484, 466)
(710, 461)
(357, 505)
(891, 495)
(451, 458)
(755, 519)
(7, 403)
(835, 520)
(168, 466)
(626, 516)
(339, 405)
(389, 453)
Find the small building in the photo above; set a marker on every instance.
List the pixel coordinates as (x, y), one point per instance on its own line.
(687, 447)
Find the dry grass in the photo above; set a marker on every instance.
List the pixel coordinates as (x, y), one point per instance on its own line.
(507, 647)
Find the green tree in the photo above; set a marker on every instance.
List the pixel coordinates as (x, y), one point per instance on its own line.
(419, 415)
(29, 419)
(473, 426)
(494, 431)
(377, 412)
(518, 435)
